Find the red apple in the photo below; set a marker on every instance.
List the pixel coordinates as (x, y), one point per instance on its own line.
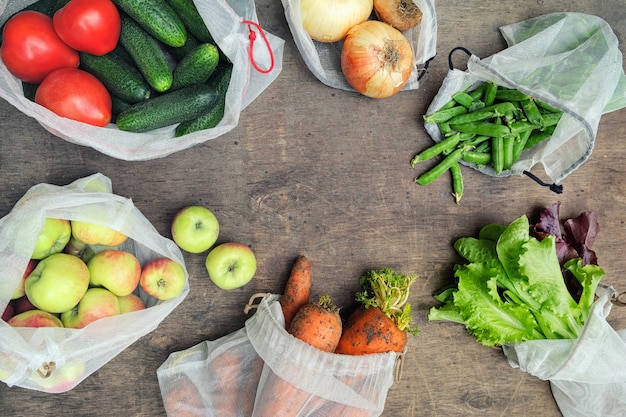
(23, 304)
(97, 303)
(8, 312)
(35, 318)
(163, 278)
(130, 303)
(95, 234)
(116, 270)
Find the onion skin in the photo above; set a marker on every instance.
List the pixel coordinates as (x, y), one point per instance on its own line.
(376, 59)
(330, 20)
(401, 14)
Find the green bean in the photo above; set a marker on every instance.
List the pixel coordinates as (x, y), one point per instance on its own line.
(463, 99)
(510, 94)
(482, 128)
(507, 152)
(457, 182)
(497, 153)
(442, 116)
(532, 112)
(495, 110)
(436, 149)
(478, 158)
(489, 94)
(438, 170)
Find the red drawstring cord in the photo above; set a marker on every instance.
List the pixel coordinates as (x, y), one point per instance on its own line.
(252, 38)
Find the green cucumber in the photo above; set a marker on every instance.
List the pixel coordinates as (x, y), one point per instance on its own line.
(168, 109)
(157, 18)
(47, 7)
(209, 119)
(188, 13)
(121, 78)
(147, 54)
(180, 52)
(196, 67)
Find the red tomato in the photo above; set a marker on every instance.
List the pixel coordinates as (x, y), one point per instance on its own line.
(91, 26)
(77, 95)
(31, 48)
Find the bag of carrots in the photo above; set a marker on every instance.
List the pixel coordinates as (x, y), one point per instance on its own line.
(539, 100)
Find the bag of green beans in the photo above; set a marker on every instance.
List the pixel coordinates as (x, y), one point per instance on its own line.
(540, 100)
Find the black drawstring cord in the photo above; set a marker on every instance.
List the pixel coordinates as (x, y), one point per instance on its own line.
(553, 187)
(458, 48)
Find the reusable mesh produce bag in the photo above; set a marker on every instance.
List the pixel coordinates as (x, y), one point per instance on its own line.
(568, 60)
(278, 375)
(324, 59)
(52, 359)
(587, 375)
(230, 23)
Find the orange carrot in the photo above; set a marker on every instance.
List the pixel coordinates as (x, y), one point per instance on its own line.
(183, 399)
(297, 290)
(318, 324)
(382, 321)
(279, 398)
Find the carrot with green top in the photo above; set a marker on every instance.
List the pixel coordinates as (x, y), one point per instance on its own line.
(297, 290)
(318, 324)
(383, 320)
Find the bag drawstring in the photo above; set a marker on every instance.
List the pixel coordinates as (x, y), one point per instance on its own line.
(251, 305)
(252, 36)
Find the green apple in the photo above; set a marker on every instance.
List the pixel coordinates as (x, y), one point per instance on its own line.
(35, 318)
(20, 291)
(130, 303)
(95, 234)
(52, 238)
(195, 229)
(116, 270)
(57, 283)
(163, 278)
(97, 303)
(231, 265)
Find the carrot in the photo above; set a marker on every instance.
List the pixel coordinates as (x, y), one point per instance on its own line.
(318, 324)
(183, 399)
(234, 396)
(279, 398)
(382, 321)
(297, 290)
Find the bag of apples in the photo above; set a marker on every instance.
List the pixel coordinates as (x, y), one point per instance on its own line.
(84, 275)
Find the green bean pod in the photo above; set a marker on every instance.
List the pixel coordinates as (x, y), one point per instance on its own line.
(497, 153)
(510, 94)
(489, 95)
(537, 138)
(438, 170)
(463, 99)
(520, 144)
(547, 107)
(438, 148)
(508, 143)
(495, 110)
(477, 158)
(532, 112)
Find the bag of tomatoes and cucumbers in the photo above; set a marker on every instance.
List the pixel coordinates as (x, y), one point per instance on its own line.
(335, 40)
(64, 313)
(159, 76)
(540, 100)
(299, 354)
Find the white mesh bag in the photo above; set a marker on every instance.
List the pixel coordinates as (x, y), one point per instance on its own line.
(324, 59)
(229, 24)
(289, 376)
(587, 375)
(57, 359)
(568, 60)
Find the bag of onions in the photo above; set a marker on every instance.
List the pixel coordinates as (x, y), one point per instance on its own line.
(344, 41)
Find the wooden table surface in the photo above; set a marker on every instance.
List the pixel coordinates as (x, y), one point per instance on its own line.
(317, 171)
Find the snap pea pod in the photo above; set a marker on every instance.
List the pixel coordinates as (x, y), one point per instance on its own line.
(438, 170)
(482, 128)
(477, 158)
(520, 144)
(547, 107)
(510, 94)
(532, 112)
(497, 153)
(489, 95)
(458, 188)
(495, 110)
(508, 143)
(438, 148)
(538, 137)
(442, 116)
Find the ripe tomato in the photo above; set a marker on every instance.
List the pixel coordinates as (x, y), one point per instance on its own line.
(91, 26)
(77, 95)
(31, 48)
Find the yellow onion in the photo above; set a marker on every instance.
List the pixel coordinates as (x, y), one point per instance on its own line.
(330, 20)
(376, 59)
(401, 14)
